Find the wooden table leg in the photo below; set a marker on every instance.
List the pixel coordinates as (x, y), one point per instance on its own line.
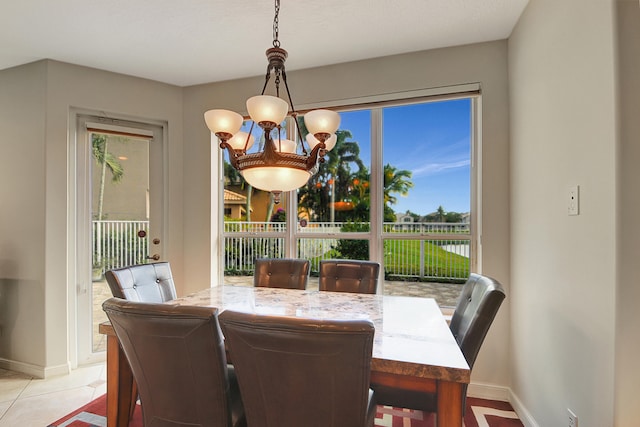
(119, 385)
(449, 404)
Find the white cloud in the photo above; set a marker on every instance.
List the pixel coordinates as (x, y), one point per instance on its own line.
(434, 168)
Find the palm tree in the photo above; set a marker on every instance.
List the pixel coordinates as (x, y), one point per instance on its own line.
(396, 181)
(334, 174)
(348, 184)
(105, 160)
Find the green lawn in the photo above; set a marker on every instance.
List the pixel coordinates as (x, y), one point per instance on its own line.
(402, 259)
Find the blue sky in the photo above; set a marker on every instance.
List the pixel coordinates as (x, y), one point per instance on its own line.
(430, 140)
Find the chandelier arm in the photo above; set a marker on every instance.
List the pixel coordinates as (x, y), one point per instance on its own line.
(233, 155)
(286, 86)
(315, 156)
(246, 143)
(294, 113)
(279, 139)
(271, 156)
(267, 77)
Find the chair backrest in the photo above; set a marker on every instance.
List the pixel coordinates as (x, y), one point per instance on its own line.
(288, 273)
(145, 283)
(349, 276)
(301, 372)
(477, 306)
(177, 357)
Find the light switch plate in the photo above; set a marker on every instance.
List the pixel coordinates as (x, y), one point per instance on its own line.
(573, 200)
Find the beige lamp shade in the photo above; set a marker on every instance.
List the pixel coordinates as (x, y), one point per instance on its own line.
(322, 121)
(267, 108)
(223, 121)
(329, 143)
(238, 141)
(285, 146)
(276, 178)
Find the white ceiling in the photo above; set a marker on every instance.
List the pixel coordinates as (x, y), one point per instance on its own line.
(187, 42)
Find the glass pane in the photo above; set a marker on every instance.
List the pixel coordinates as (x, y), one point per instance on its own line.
(426, 268)
(427, 190)
(338, 193)
(315, 250)
(120, 213)
(253, 212)
(250, 207)
(241, 252)
(427, 162)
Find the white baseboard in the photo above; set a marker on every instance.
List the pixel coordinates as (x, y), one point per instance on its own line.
(34, 370)
(488, 391)
(523, 414)
(505, 394)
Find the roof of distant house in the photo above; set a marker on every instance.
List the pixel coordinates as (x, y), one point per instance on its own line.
(234, 198)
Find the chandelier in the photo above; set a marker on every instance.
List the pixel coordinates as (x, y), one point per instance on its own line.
(279, 166)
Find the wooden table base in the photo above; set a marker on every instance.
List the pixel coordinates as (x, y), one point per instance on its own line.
(449, 409)
(121, 391)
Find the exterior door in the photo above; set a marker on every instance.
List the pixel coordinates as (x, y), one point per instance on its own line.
(122, 213)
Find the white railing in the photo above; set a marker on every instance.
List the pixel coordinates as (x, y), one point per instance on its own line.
(441, 252)
(329, 227)
(118, 243)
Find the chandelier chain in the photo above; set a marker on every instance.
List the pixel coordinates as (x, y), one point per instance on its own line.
(276, 42)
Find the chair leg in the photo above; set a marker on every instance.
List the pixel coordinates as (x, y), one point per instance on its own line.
(134, 398)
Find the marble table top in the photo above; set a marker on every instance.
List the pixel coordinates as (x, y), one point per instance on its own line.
(412, 337)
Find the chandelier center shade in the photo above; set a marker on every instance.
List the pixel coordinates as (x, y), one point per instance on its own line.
(282, 164)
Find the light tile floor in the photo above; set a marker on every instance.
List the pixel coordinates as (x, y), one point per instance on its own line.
(33, 402)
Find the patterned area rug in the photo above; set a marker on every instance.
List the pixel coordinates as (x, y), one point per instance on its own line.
(479, 413)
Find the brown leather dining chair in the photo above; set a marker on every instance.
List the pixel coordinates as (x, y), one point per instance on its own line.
(477, 306)
(151, 283)
(288, 273)
(349, 276)
(145, 282)
(177, 356)
(300, 372)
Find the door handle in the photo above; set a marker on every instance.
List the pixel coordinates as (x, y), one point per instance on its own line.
(154, 257)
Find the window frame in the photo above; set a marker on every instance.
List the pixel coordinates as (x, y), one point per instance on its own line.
(376, 235)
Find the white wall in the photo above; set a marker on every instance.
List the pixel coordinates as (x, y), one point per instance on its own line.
(22, 224)
(34, 248)
(484, 63)
(627, 376)
(563, 268)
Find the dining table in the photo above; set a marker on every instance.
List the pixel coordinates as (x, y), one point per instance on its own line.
(413, 346)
